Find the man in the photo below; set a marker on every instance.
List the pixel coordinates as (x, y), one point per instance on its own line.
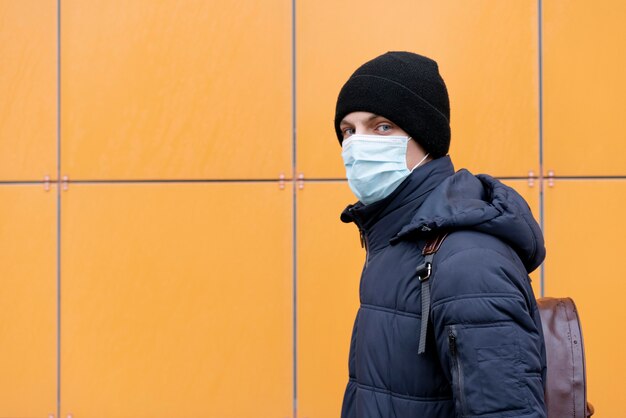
(481, 350)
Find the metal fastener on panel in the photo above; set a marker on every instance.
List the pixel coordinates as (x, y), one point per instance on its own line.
(46, 183)
(551, 178)
(281, 181)
(531, 179)
(65, 182)
(301, 181)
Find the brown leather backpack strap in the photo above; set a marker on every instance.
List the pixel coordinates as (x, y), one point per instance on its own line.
(423, 274)
(433, 245)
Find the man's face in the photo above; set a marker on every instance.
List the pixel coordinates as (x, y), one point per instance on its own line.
(367, 123)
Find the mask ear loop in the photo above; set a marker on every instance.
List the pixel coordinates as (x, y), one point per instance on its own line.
(421, 161)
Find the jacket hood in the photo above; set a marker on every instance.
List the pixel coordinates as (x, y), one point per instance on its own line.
(484, 204)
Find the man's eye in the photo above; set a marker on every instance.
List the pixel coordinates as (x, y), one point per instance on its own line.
(347, 132)
(384, 128)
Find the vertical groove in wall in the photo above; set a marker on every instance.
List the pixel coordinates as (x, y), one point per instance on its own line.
(541, 185)
(294, 302)
(58, 272)
(294, 245)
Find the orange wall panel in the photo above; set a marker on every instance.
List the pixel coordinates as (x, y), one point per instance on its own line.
(28, 318)
(176, 300)
(330, 259)
(585, 230)
(487, 54)
(176, 90)
(585, 88)
(28, 89)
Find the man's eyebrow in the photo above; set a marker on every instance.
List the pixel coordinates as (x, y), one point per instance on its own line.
(343, 121)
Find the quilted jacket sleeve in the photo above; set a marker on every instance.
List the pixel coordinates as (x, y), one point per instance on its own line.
(487, 333)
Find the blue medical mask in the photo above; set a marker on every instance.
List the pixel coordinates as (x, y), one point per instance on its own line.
(375, 165)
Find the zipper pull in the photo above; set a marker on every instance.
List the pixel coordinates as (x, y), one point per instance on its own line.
(452, 343)
(362, 238)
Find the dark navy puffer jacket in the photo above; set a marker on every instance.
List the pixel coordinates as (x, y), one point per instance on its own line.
(485, 355)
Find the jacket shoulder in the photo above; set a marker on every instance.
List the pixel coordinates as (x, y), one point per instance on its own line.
(478, 249)
(475, 263)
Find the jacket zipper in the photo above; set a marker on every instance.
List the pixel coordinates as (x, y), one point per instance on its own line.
(364, 245)
(457, 373)
(362, 235)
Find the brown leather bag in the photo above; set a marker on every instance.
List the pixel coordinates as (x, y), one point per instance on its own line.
(566, 381)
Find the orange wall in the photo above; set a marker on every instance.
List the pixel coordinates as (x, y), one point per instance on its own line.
(174, 265)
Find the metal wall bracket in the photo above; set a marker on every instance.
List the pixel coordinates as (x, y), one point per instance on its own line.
(46, 183)
(300, 181)
(531, 178)
(550, 178)
(281, 181)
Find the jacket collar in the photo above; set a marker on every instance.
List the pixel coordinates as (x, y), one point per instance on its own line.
(382, 220)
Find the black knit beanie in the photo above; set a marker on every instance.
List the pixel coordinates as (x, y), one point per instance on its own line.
(405, 88)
